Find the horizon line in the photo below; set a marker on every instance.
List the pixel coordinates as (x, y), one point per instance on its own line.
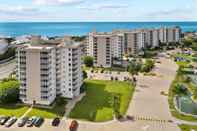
(89, 21)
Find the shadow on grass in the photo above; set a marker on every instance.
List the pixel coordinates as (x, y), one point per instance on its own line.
(10, 106)
(96, 99)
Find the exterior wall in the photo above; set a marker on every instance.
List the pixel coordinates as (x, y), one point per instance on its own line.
(117, 44)
(33, 76)
(141, 40)
(99, 47)
(155, 38)
(131, 43)
(103, 52)
(177, 34)
(37, 84)
(71, 78)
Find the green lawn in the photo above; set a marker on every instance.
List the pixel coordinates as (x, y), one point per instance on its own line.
(188, 127)
(10, 110)
(56, 111)
(97, 105)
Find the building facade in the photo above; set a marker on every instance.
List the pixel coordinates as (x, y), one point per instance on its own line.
(46, 69)
(106, 47)
(99, 47)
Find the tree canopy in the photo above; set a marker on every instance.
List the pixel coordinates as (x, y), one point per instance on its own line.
(9, 91)
(88, 61)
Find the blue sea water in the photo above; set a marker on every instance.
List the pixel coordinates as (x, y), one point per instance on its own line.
(81, 28)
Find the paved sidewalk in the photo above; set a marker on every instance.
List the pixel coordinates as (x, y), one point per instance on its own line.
(27, 112)
(71, 104)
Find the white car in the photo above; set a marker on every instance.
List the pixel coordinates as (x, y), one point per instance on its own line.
(11, 121)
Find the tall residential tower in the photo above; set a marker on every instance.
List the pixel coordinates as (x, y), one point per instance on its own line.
(46, 69)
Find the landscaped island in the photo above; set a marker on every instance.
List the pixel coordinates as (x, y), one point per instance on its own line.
(183, 91)
(100, 103)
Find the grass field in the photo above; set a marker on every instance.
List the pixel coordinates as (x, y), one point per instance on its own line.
(56, 111)
(13, 110)
(188, 127)
(97, 105)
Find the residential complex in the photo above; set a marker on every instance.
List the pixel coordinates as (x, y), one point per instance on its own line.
(107, 47)
(47, 68)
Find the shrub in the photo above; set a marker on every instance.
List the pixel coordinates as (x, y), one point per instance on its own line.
(88, 61)
(9, 92)
(180, 89)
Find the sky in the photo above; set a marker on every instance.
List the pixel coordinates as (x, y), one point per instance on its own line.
(97, 10)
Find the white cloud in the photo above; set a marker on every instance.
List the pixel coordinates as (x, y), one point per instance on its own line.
(173, 14)
(17, 10)
(57, 2)
(103, 6)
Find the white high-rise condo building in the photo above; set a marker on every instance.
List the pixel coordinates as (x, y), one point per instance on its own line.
(49, 68)
(167, 35)
(104, 47)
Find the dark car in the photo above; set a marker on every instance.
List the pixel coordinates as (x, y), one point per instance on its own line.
(22, 121)
(38, 122)
(73, 126)
(11, 121)
(31, 121)
(56, 122)
(130, 118)
(4, 119)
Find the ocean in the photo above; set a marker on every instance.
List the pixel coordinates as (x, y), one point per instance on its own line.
(14, 29)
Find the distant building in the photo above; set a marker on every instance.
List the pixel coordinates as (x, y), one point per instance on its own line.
(110, 46)
(46, 69)
(167, 35)
(3, 46)
(100, 48)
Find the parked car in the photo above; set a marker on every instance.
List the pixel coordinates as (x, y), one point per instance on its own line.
(55, 122)
(22, 121)
(38, 122)
(31, 121)
(11, 121)
(73, 126)
(130, 118)
(4, 119)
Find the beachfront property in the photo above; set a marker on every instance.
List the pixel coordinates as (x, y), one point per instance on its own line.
(105, 47)
(47, 68)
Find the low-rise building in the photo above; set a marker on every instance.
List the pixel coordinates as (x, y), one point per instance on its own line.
(3, 46)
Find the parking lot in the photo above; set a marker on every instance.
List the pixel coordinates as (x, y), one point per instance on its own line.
(46, 126)
(109, 75)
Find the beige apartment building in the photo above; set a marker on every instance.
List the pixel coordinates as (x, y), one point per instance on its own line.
(46, 69)
(104, 47)
(167, 35)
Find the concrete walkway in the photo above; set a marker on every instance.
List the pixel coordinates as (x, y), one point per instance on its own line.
(71, 104)
(24, 115)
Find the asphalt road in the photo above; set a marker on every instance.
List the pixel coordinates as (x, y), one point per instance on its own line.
(6, 69)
